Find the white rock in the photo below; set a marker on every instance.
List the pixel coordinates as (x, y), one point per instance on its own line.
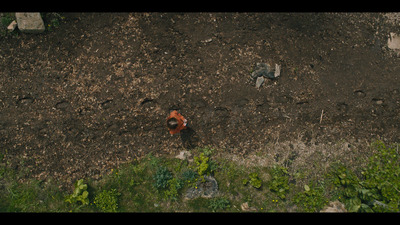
(30, 22)
(12, 26)
(277, 70)
(184, 155)
(334, 207)
(394, 41)
(259, 82)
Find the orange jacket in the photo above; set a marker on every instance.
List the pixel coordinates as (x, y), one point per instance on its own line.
(181, 122)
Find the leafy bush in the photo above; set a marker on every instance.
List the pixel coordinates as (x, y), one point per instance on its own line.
(189, 176)
(107, 201)
(172, 192)
(161, 178)
(280, 181)
(219, 204)
(378, 190)
(255, 181)
(202, 165)
(80, 194)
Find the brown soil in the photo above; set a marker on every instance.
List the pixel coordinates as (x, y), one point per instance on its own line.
(95, 92)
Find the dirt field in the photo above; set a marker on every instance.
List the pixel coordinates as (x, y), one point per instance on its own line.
(96, 91)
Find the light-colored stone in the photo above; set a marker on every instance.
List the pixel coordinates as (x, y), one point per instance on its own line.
(259, 82)
(183, 155)
(335, 206)
(394, 41)
(30, 22)
(12, 26)
(245, 207)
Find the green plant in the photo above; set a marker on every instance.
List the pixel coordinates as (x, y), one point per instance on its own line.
(254, 181)
(311, 199)
(189, 177)
(6, 20)
(202, 165)
(107, 200)
(80, 194)
(172, 192)
(162, 177)
(279, 182)
(378, 191)
(382, 179)
(218, 204)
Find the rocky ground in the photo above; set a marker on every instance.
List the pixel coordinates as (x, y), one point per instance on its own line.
(95, 92)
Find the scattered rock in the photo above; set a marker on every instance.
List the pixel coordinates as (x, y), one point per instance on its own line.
(377, 101)
(335, 206)
(245, 207)
(206, 189)
(265, 70)
(12, 26)
(277, 70)
(30, 22)
(183, 155)
(394, 42)
(259, 82)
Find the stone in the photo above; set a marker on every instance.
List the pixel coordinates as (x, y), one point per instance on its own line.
(12, 26)
(335, 206)
(245, 207)
(206, 189)
(394, 42)
(30, 22)
(277, 72)
(183, 155)
(265, 70)
(259, 82)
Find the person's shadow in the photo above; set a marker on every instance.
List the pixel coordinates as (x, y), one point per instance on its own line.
(189, 138)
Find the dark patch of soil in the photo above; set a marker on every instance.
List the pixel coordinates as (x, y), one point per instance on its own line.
(95, 92)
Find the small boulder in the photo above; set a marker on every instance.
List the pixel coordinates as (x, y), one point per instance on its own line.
(30, 22)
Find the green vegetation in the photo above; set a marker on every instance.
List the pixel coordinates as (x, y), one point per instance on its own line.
(80, 194)
(159, 184)
(279, 183)
(107, 200)
(255, 181)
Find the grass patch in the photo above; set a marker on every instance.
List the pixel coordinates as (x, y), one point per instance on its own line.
(158, 184)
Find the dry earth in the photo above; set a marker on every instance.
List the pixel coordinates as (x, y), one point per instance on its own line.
(95, 92)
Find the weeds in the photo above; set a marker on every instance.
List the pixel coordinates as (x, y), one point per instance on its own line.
(255, 181)
(107, 200)
(80, 194)
(157, 184)
(279, 183)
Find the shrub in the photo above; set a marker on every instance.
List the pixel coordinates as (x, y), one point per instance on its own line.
(202, 165)
(161, 178)
(219, 204)
(378, 190)
(280, 181)
(80, 194)
(107, 200)
(255, 181)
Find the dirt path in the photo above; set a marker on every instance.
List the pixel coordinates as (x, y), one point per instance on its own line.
(95, 92)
